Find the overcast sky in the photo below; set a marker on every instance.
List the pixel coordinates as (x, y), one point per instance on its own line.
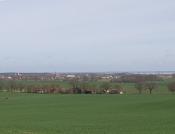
(85, 36)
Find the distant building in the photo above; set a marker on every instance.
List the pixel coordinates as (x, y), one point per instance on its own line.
(70, 76)
(107, 77)
(9, 78)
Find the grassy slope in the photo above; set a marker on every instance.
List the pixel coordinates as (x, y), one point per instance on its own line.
(87, 114)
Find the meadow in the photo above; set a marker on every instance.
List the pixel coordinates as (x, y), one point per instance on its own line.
(86, 114)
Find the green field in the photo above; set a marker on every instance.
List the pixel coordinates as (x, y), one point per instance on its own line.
(86, 114)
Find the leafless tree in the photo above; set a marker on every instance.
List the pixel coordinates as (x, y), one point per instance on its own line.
(1, 85)
(171, 87)
(139, 86)
(150, 86)
(105, 86)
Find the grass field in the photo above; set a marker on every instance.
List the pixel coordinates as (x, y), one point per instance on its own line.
(87, 114)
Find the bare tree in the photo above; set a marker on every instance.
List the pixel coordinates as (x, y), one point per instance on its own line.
(150, 86)
(139, 86)
(74, 83)
(105, 86)
(75, 86)
(1, 85)
(171, 87)
(12, 85)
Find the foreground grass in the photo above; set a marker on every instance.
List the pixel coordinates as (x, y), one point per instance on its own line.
(87, 114)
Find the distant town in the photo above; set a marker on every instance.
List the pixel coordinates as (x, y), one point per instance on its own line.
(82, 76)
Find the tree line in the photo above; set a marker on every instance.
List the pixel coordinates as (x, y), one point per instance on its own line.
(77, 87)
